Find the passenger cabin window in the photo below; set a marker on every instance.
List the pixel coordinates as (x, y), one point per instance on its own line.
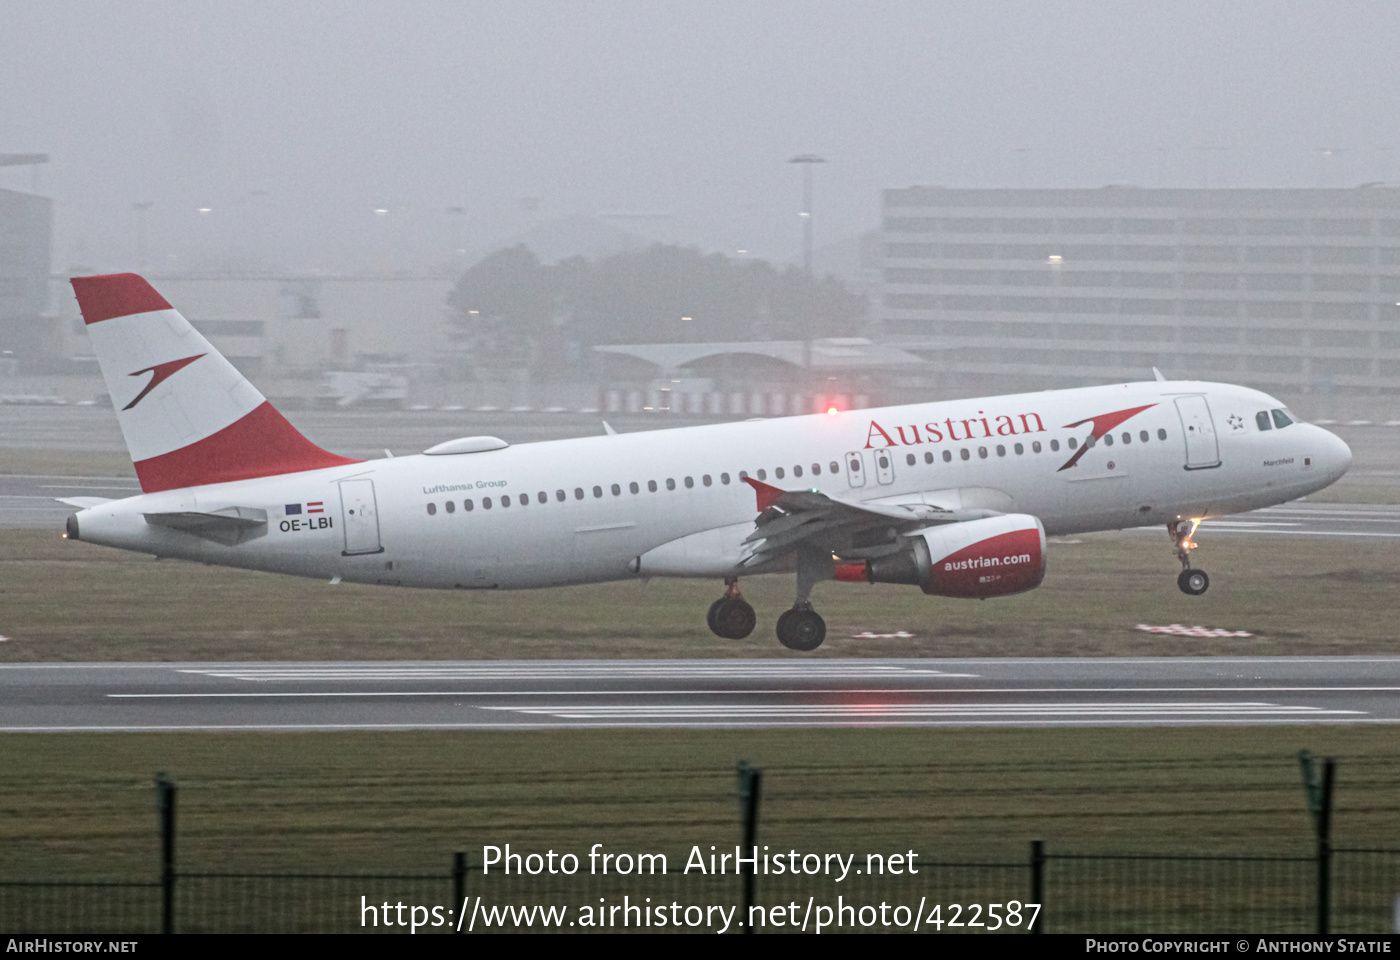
(689, 482)
(578, 493)
(724, 479)
(468, 506)
(964, 454)
(486, 503)
(1107, 440)
(778, 472)
(432, 509)
(762, 474)
(524, 499)
(817, 470)
(1281, 419)
(597, 492)
(1020, 449)
(1054, 446)
(1073, 443)
(1001, 450)
(1142, 435)
(1161, 434)
(451, 506)
(651, 486)
(559, 495)
(928, 456)
(1262, 418)
(797, 470)
(633, 487)
(947, 456)
(670, 484)
(1127, 437)
(982, 452)
(835, 467)
(909, 459)
(616, 490)
(505, 501)
(706, 480)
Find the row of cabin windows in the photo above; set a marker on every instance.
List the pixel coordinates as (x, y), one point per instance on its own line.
(652, 486)
(779, 473)
(1020, 448)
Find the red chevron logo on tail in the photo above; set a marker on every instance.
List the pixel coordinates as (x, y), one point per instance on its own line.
(161, 372)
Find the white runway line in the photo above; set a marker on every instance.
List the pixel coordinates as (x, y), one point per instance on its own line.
(902, 710)
(747, 670)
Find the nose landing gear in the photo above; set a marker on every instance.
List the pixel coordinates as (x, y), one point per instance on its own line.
(730, 616)
(1192, 582)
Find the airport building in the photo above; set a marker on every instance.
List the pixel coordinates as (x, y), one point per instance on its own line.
(26, 333)
(1296, 292)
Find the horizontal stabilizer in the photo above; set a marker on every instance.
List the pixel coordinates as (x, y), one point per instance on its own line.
(229, 526)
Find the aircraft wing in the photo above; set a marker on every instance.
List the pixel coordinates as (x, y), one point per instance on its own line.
(789, 519)
(84, 503)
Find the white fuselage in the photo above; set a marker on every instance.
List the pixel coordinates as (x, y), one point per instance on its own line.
(671, 502)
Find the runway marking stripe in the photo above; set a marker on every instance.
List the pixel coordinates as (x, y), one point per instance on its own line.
(1180, 721)
(906, 691)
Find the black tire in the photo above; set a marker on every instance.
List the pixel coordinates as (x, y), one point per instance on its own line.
(802, 630)
(710, 617)
(733, 618)
(1193, 582)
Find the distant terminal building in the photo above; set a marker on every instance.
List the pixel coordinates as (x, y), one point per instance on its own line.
(1294, 291)
(26, 225)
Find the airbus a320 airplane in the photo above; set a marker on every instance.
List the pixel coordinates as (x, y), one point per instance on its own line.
(955, 498)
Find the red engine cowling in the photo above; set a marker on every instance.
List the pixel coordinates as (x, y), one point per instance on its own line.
(991, 557)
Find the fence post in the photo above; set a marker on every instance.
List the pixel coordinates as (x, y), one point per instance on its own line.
(1038, 883)
(1319, 791)
(750, 779)
(1324, 848)
(165, 806)
(459, 883)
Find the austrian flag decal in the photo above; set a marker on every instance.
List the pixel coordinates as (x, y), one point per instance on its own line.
(295, 509)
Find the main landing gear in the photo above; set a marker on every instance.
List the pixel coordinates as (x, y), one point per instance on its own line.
(802, 628)
(731, 616)
(1191, 581)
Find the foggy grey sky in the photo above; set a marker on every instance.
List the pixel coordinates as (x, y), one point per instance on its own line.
(293, 121)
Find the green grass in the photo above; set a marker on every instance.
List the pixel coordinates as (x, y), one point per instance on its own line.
(84, 805)
(61, 600)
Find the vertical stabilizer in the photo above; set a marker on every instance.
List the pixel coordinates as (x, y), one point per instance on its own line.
(188, 416)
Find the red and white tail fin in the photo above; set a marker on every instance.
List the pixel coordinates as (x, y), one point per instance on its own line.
(188, 416)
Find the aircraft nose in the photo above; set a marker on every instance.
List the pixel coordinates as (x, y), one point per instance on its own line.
(1337, 455)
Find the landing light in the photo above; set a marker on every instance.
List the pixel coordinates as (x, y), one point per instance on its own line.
(831, 411)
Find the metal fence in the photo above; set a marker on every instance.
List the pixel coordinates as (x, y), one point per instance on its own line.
(1340, 889)
(1078, 893)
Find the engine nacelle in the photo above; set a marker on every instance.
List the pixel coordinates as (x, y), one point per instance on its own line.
(991, 557)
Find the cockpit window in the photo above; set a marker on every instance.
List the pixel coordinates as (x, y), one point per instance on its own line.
(1262, 418)
(1281, 419)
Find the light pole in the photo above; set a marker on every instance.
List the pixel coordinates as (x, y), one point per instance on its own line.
(807, 161)
(141, 206)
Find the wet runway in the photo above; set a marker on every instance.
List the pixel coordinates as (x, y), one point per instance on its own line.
(689, 694)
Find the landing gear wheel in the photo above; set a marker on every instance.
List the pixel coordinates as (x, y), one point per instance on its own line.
(710, 617)
(731, 618)
(1193, 582)
(801, 629)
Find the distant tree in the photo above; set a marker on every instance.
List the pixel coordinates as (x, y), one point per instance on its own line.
(529, 312)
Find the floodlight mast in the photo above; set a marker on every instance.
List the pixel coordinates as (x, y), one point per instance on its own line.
(807, 160)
